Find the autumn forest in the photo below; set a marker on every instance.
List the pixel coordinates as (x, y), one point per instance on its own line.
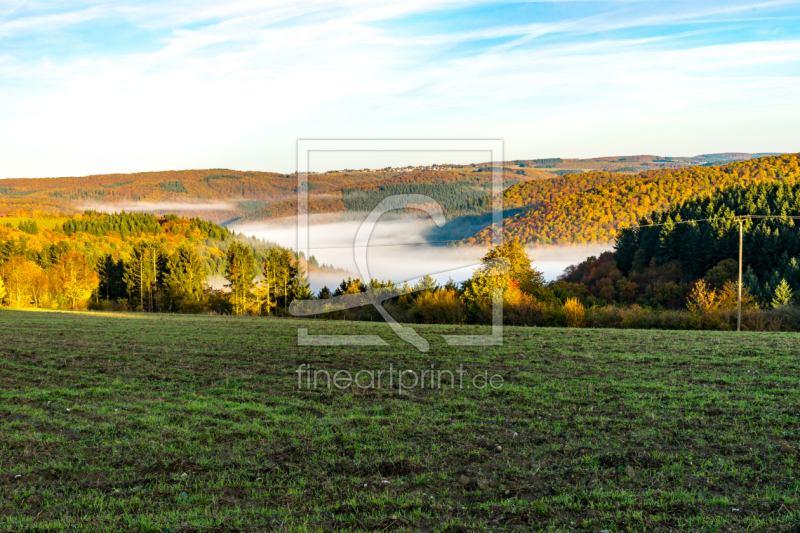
(674, 264)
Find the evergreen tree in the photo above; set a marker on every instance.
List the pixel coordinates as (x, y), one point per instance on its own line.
(752, 284)
(783, 295)
(301, 289)
(144, 275)
(771, 245)
(29, 226)
(111, 273)
(280, 270)
(272, 270)
(324, 293)
(263, 301)
(625, 245)
(426, 284)
(240, 273)
(185, 279)
(3, 290)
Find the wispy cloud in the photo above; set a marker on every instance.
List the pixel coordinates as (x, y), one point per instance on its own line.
(91, 86)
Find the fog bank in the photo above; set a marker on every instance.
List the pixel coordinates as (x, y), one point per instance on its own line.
(157, 207)
(390, 256)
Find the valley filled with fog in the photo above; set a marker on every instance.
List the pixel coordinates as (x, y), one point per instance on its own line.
(398, 250)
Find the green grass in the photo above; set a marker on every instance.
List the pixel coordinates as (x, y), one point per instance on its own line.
(43, 223)
(119, 422)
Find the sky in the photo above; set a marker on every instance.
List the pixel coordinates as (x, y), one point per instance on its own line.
(98, 87)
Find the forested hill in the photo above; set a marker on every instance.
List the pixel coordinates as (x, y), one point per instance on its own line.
(771, 245)
(224, 196)
(141, 261)
(96, 235)
(597, 214)
(232, 193)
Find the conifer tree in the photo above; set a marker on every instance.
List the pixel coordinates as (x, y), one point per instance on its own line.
(185, 279)
(426, 284)
(783, 295)
(261, 294)
(240, 273)
(301, 289)
(144, 275)
(324, 293)
(111, 272)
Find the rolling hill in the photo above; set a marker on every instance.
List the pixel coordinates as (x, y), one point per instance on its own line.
(547, 200)
(597, 213)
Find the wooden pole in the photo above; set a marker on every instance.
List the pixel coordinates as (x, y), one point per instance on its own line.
(739, 306)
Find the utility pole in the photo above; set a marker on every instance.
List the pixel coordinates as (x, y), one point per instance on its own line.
(739, 306)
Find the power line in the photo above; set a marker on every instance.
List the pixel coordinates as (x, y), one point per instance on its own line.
(734, 219)
(382, 245)
(740, 219)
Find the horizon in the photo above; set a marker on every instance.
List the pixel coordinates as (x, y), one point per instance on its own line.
(439, 162)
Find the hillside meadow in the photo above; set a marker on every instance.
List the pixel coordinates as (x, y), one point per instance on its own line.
(158, 422)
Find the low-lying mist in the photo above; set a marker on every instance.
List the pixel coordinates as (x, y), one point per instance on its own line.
(391, 256)
(157, 207)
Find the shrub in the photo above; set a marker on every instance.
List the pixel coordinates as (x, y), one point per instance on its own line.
(524, 311)
(441, 307)
(554, 315)
(729, 296)
(574, 313)
(703, 299)
(605, 317)
(669, 294)
(787, 318)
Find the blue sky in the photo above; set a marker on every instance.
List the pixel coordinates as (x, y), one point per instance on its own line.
(96, 87)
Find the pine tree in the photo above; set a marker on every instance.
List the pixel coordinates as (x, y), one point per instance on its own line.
(144, 275)
(426, 284)
(185, 279)
(240, 273)
(783, 295)
(301, 289)
(752, 284)
(324, 293)
(111, 273)
(277, 271)
(2, 290)
(625, 245)
(261, 294)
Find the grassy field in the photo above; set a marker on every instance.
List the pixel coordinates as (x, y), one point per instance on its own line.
(115, 422)
(43, 223)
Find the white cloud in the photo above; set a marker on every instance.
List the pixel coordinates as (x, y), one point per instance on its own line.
(236, 85)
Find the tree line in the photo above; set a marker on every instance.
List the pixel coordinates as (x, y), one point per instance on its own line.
(137, 261)
(672, 240)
